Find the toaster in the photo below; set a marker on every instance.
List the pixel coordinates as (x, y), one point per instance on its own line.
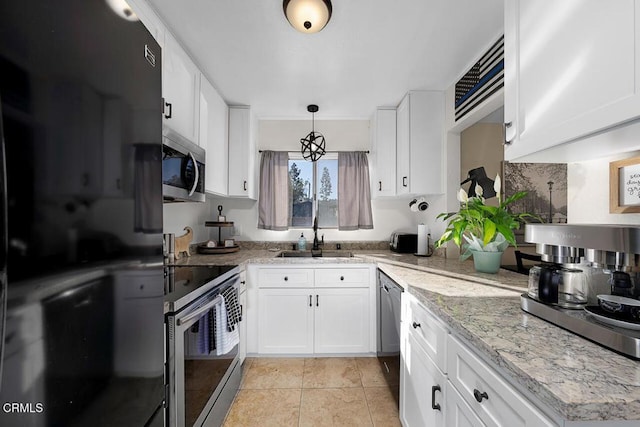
(406, 243)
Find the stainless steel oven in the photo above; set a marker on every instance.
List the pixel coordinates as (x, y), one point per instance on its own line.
(203, 365)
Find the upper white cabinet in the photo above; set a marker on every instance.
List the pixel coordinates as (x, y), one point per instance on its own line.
(384, 153)
(214, 123)
(571, 70)
(180, 90)
(420, 121)
(242, 153)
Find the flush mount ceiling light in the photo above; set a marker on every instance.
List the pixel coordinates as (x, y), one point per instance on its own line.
(312, 144)
(307, 16)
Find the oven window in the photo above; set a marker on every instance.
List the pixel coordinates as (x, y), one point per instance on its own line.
(204, 365)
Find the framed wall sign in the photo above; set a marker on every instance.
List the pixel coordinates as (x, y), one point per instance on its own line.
(624, 186)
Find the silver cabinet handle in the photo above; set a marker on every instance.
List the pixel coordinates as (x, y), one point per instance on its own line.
(195, 181)
(506, 126)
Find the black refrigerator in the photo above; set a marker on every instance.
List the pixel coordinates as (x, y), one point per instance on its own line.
(81, 216)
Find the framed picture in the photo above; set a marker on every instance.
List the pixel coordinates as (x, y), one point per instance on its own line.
(624, 186)
(546, 187)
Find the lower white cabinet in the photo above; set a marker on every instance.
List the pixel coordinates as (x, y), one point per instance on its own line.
(285, 321)
(494, 401)
(458, 413)
(443, 383)
(313, 310)
(422, 387)
(341, 320)
(242, 300)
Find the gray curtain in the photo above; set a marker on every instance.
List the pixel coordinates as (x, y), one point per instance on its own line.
(273, 204)
(354, 192)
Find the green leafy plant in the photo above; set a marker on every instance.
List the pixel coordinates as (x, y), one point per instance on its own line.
(479, 227)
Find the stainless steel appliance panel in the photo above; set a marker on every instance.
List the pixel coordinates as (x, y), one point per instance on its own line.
(200, 380)
(82, 137)
(183, 169)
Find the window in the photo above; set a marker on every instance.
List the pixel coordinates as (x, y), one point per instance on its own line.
(313, 188)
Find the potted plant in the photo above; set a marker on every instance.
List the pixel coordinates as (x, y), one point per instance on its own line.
(481, 230)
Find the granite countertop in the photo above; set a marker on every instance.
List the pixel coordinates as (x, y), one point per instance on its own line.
(580, 380)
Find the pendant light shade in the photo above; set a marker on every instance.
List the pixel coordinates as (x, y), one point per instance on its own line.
(307, 16)
(313, 144)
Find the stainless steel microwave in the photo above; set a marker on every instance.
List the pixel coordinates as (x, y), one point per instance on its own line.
(183, 169)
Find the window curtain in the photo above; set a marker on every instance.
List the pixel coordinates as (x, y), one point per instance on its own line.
(273, 204)
(354, 192)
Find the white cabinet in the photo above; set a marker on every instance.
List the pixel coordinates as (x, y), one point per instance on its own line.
(494, 401)
(570, 70)
(214, 123)
(341, 323)
(242, 153)
(180, 90)
(285, 319)
(383, 152)
(315, 310)
(439, 371)
(419, 145)
(422, 387)
(458, 413)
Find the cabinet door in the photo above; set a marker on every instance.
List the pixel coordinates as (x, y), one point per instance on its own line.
(180, 88)
(384, 153)
(422, 386)
(241, 153)
(420, 121)
(570, 70)
(403, 151)
(285, 321)
(458, 413)
(214, 122)
(342, 320)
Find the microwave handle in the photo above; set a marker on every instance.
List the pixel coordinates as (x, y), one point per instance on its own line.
(195, 181)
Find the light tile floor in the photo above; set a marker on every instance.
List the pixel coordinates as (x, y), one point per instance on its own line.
(331, 391)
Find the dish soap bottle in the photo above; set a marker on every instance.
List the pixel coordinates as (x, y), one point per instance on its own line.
(302, 243)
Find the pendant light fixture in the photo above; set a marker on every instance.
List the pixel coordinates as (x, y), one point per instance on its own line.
(307, 16)
(312, 144)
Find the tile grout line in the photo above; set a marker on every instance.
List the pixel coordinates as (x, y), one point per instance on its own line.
(366, 401)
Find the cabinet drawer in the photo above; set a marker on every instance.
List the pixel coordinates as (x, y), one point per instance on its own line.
(285, 278)
(429, 333)
(500, 404)
(350, 277)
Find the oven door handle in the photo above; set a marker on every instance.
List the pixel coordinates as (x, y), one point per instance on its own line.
(197, 312)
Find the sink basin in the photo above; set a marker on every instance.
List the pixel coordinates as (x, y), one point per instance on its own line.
(315, 254)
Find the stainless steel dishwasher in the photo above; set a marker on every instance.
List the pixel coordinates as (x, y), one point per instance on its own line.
(389, 293)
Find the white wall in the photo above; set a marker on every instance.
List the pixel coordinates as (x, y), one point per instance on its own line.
(588, 192)
(341, 135)
(176, 216)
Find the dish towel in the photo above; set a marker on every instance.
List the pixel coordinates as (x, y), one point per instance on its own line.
(203, 340)
(225, 339)
(234, 313)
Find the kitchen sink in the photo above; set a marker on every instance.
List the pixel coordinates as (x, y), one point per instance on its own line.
(315, 254)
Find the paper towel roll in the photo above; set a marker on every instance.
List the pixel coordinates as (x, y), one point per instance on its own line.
(423, 232)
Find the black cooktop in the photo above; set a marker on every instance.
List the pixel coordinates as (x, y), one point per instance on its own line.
(184, 283)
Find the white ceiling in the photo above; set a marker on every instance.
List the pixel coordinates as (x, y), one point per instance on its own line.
(370, 53)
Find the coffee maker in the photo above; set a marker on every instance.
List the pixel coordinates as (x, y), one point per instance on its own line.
(580, 262)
